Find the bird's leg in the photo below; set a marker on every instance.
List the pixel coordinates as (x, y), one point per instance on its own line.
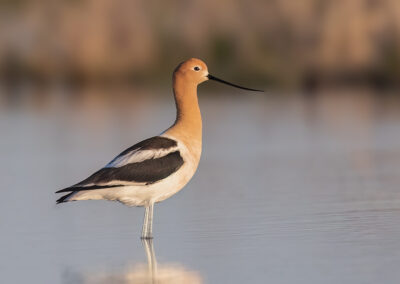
(145, 222)
(148, 222)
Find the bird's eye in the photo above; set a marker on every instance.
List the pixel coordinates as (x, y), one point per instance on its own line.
(196, 68)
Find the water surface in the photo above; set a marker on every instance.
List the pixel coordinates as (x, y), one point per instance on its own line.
(290, 189)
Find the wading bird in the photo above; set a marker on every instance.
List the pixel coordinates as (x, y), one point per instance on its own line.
(156, 168)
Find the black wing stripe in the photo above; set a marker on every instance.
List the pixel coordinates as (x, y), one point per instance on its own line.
(148, 171)
(64, 197)
(152, 143)
(79, 188)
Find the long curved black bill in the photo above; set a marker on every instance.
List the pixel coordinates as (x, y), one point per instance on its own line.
(211, 77)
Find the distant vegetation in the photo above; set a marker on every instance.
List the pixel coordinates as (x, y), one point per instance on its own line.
(278, 42)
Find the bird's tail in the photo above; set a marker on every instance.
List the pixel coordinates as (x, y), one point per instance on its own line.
(65, 198)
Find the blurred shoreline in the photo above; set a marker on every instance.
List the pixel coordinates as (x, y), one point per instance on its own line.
(48, 97)
(282, 44)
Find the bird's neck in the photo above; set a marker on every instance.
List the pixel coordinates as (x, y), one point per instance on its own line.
(188, 124)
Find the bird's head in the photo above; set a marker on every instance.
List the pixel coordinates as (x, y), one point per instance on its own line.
(192, 70)
(195, 71)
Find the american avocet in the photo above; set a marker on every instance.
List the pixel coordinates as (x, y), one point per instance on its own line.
(156, 168)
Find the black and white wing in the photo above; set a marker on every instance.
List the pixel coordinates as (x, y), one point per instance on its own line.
(144, 163)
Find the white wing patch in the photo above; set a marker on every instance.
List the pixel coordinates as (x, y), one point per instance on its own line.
(138, 155)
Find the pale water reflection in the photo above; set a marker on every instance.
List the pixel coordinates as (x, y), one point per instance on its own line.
(150, 273)
(290, 189)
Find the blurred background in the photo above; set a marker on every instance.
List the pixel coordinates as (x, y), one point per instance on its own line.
(300, 184)
(281, 43)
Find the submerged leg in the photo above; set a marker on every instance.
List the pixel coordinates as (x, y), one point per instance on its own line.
(147, 232)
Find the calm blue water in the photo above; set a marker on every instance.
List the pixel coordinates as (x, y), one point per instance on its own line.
(290, 189)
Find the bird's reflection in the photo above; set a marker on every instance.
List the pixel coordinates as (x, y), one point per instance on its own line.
(151, 258)
(152, 273)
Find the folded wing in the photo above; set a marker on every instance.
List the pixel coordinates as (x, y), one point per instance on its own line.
(144, 163)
